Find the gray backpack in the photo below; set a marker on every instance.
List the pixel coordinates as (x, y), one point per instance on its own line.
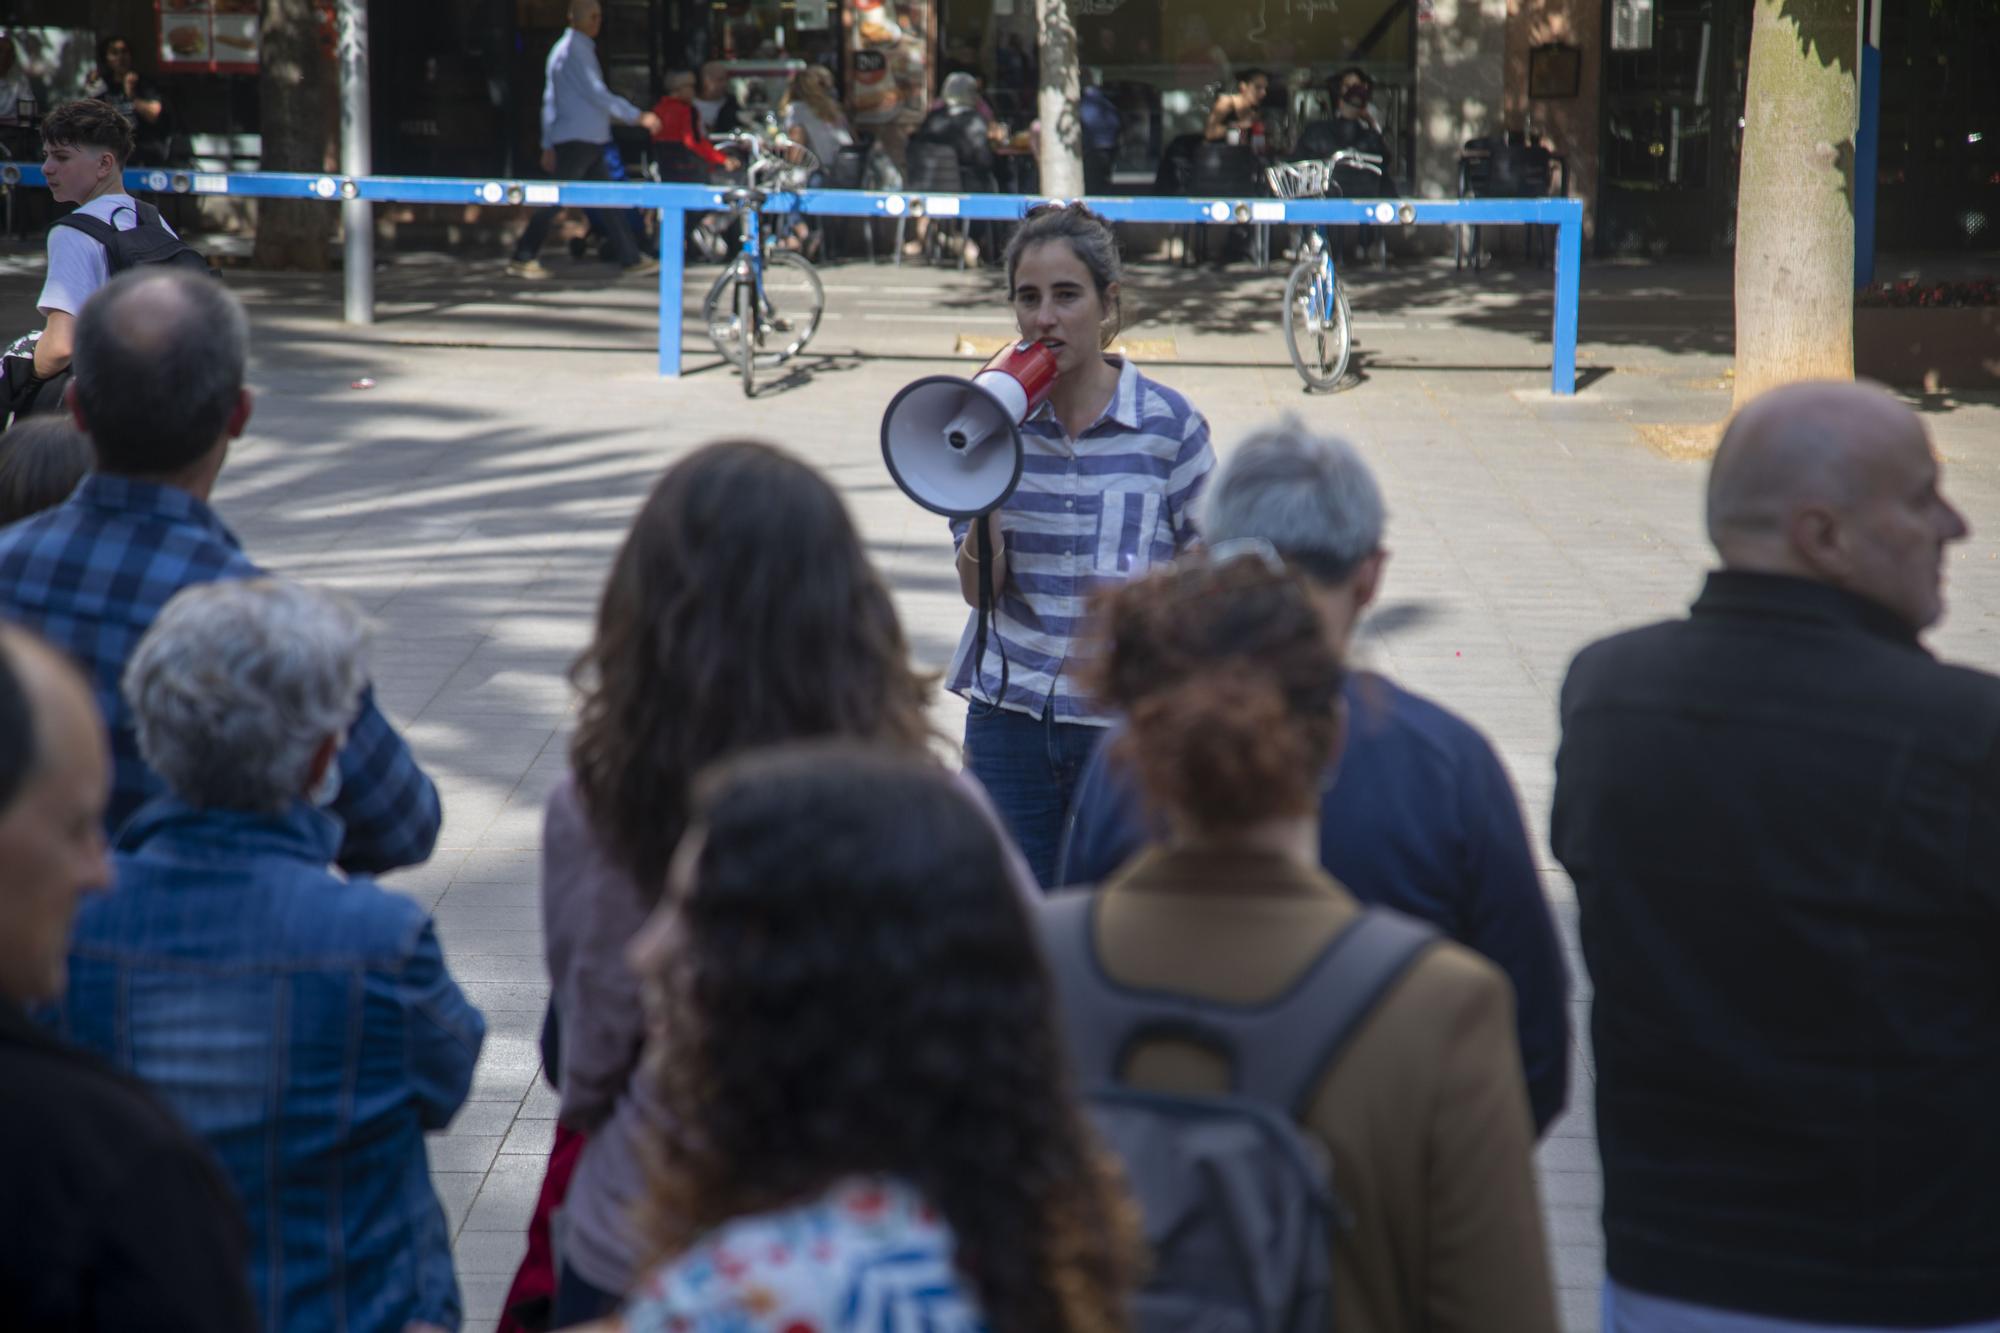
(1238, 1202)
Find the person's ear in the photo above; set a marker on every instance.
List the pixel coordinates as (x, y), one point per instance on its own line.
(1818, 540)
(74, 403)
(1368, 580)
(239, 419)
(322, 759)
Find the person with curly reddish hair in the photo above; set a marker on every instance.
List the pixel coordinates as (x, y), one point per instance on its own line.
(869, 1123)
(1231, 682)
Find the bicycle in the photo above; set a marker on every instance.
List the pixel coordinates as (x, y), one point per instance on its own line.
(765, 304)
(1318, 326)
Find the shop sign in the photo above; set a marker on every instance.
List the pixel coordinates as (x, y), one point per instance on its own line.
(212, 36)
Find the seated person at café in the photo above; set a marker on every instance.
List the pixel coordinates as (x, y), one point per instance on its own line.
(1352, 126)
(1239, 116)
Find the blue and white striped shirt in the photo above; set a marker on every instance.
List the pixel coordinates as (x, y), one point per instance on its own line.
(1088, 512)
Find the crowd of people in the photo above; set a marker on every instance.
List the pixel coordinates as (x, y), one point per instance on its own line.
(1215, 989)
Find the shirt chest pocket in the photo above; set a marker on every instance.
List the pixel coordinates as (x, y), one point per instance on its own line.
(1128, 523)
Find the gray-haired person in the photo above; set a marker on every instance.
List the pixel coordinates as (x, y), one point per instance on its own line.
(302, 1023)
(1417, 813)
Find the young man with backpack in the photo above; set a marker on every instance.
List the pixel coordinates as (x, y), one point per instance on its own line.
(85, 146)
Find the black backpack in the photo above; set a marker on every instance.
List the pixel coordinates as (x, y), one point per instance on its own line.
(148, 243)
(1237, 1200)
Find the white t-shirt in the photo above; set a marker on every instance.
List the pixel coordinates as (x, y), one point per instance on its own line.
(825, 140)
(78, 265)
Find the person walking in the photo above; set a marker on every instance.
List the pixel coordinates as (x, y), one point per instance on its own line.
(1114, 463)
(577, 111)
(1781, 814)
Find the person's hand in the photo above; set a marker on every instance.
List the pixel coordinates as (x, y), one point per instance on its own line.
(549, 161)
(131, 83)
(649, 122)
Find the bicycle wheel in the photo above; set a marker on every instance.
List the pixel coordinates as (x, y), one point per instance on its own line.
(1316, 328)
(794, 300)
(718, 311)
(749, 336)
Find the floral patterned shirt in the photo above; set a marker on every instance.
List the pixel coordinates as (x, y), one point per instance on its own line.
(868, 1256)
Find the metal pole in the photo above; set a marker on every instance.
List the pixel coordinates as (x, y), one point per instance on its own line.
(672, 276)
(1569, 265)
(357, 216)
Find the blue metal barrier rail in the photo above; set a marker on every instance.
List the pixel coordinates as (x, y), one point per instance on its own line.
(674, 201)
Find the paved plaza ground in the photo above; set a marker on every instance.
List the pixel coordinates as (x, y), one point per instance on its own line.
(470, 501)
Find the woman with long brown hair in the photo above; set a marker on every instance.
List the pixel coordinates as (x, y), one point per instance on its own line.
(870, 1125)
(741, 611)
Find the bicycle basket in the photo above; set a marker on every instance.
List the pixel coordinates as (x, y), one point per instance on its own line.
(1300, 180)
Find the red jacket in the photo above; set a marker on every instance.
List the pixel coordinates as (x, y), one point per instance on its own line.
(681, 124)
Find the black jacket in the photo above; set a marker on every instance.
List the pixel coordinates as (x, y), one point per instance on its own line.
(965, 130)
(1783, 819)
(115, 1218)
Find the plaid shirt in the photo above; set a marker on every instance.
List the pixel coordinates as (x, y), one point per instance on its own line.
(92, 573)
(1089, 512)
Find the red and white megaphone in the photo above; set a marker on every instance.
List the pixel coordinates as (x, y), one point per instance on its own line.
(954, 445)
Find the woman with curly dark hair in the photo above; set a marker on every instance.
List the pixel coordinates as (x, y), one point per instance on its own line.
(741, 611)
(851, 1034)
(1230, 682)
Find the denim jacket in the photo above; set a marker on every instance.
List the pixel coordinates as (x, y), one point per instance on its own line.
(305, 1026)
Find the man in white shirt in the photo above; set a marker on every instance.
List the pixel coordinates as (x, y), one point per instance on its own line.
(85, 145)
(15, 86)
(577, 111)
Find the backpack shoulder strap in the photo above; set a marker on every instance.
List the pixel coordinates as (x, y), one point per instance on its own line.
(1278, 1051)
(1100, 1016)
(1295, 1039)
(97, 229)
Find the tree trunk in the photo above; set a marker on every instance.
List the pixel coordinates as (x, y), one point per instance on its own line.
(1062, 131)
(1795, 205)
(296, 95)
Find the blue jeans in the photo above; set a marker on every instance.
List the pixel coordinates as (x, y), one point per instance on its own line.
(1029, 766)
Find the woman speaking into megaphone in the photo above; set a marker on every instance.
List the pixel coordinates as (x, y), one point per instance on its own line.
(1111, 465)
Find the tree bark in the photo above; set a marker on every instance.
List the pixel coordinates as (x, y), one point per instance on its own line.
(1061, 148)
(1795, 204)
(296, 97)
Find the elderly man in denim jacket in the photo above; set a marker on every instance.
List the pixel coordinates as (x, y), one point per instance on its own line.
(302, 1023)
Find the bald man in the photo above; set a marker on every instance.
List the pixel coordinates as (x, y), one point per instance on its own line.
(158, 387)
(115, 1217)
(577, 110)
(1782, 816)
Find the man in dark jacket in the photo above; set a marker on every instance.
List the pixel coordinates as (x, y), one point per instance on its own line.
(1417, 814)
(115, 1218)
(1783, 819)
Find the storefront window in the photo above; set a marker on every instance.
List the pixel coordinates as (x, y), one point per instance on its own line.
(1162, 64)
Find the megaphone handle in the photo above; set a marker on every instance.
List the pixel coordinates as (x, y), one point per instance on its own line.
(983, 553)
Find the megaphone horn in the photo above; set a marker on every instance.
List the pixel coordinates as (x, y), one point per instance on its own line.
(954, 445)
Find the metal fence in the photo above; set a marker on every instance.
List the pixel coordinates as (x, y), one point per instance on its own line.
(674, 201)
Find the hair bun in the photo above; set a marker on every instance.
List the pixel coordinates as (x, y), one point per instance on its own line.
(1224, 747)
